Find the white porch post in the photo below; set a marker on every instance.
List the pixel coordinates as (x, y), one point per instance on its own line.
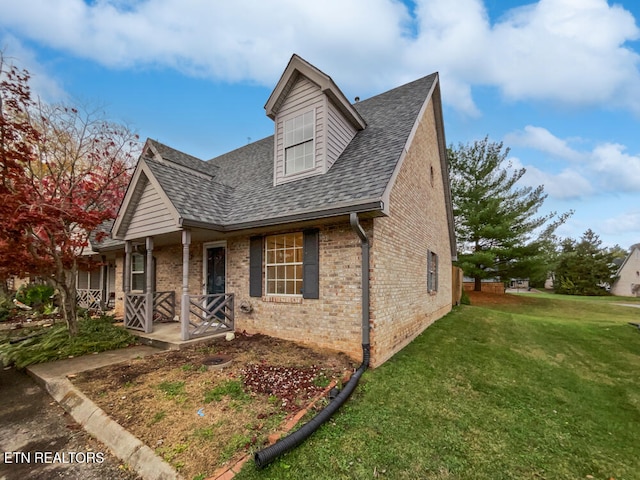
(148, 327)
(126, 281)
(184, 305)
(103, 283)
(126, 284)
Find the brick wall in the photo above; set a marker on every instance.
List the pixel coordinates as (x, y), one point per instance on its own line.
(168, 273)
(401, 306)
(332, 321)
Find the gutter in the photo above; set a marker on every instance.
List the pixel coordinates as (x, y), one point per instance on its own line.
(312, 214)
(265, 456)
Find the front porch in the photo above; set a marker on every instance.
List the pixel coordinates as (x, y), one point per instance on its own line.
(202, 316)
(172, 315)
(167, 336)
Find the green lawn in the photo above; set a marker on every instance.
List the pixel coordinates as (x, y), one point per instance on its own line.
(545, 389)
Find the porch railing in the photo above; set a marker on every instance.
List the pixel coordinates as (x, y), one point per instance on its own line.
(210, 314)
(164, 306)
(138, 315)
(137, 312)
(89, 298)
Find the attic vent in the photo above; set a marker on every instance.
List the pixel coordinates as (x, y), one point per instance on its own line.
(357, 99)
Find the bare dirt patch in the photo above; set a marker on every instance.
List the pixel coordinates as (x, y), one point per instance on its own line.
(482, 299)
(200, 417)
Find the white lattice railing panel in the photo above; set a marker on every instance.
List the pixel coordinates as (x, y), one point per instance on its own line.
(91, 299)
(135, 311)
(164, 306)
(210, 314)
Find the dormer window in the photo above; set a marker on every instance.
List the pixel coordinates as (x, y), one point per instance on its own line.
(313, 122)
(298, 143)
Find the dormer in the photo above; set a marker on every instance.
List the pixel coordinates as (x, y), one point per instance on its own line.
(314, 122)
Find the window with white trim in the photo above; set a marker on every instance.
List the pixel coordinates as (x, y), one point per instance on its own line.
(138, 276)
(284, 264)
(298, 143)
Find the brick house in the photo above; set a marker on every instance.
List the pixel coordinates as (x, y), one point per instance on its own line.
(270, 237)
(627, 283)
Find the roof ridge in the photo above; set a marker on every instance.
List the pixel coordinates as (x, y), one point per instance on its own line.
(399, 87)
(163, 153)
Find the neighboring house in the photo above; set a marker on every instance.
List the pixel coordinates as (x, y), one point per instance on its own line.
(519, 283)
(265, 238)
(96, 274)
(627, 283)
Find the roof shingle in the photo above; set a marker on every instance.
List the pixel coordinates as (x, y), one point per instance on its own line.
(242, 190)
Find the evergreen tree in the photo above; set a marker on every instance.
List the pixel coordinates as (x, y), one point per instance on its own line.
(497, 229)
(585, 267)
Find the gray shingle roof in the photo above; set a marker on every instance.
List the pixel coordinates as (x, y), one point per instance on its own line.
(106, 242)
(239, 187)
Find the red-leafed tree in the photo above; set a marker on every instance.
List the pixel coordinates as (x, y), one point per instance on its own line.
(64, 173)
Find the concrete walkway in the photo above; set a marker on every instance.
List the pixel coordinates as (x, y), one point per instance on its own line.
(53, 377)
(634, 305)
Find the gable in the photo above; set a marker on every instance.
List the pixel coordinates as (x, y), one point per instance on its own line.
(151, 215)
(628, 275)
(145, 210)
(303, 95)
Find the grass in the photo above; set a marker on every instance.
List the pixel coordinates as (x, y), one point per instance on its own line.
(231, 388)
(543, 389)
(172, 389)
(53, 343)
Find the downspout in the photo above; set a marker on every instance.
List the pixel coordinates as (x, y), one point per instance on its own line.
(266, 456)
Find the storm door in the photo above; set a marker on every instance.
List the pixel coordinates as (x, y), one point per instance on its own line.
(215, 272)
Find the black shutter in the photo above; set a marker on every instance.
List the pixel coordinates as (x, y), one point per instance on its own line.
(255, 267)
(311, 264)
(429, 277)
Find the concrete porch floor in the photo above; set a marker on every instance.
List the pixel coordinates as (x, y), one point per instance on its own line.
(167, 337)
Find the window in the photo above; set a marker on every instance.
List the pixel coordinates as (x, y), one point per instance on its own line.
(298, 143)
(137, 272)
(432, 271)
(284, 264)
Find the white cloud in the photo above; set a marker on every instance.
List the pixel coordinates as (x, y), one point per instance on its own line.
(607, 168)
(567, 184)
(572, 51)
(624, 227)
(240, 40)
(541, 139)
(42, 84)
(617, 170)
(567, 51)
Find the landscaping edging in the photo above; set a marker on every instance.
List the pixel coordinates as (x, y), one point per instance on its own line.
(96, 422)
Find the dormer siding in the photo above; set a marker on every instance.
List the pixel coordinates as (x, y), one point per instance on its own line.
(340, 133)
(304, 96)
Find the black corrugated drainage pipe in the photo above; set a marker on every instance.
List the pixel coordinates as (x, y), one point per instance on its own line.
(266, 456)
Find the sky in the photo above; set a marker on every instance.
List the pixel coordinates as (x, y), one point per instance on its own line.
(557, 81)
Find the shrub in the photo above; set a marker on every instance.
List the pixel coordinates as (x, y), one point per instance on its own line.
(465, 300)
(5, 307)
(54, 343)
(35, 295)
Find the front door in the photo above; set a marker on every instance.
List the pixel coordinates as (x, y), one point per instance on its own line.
(215, 270)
